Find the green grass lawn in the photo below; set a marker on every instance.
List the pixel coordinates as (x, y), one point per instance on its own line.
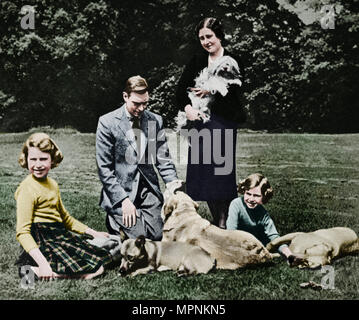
(315, 180)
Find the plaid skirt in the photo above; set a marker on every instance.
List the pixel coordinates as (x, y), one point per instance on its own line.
(66, 253)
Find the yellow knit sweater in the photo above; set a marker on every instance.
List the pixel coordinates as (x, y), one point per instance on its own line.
(40, 201)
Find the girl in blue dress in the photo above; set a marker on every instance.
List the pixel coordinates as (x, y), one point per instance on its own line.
(247, 212)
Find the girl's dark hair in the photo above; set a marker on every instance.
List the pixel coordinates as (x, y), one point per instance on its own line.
(255, 180)
(211, 23)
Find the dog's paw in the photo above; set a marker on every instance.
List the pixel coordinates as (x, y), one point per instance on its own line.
(182, 273)
(271, 247)
(206, 118)
(312, 285)
(295, 260)
(222, 90)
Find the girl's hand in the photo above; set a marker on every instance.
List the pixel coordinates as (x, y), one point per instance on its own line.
(97, 234)
(192, 113)
(102, 234)
(44, 270)
(46, 273)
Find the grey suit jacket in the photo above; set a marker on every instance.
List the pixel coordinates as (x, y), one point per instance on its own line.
(119, 165)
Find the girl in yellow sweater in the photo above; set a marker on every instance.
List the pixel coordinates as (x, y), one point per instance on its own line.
(43, 223)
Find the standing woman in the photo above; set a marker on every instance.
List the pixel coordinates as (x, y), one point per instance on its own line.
(205, 181)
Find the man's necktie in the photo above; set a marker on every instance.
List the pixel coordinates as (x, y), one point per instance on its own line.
(136, 125)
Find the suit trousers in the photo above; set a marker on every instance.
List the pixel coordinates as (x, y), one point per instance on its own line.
(149, 222)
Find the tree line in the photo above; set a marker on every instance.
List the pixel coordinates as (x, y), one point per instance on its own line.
(71, 67)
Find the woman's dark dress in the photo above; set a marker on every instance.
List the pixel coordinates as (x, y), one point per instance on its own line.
(226, 112)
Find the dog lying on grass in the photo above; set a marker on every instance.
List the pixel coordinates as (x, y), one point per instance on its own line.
(141, 256)
(215, 78)
(232, 249)
(320, 247)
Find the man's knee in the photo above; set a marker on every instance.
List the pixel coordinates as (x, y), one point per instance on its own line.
(157, 235)
(150, 229)
(144, 229)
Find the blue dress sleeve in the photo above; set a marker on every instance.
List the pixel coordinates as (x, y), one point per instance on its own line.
(270, 230)
(233, 215)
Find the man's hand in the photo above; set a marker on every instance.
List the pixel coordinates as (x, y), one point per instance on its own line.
(128, 213)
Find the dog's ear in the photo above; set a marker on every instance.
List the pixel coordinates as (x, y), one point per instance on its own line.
(170, 205)
(196, 205)
(167, 209)
(140, 241)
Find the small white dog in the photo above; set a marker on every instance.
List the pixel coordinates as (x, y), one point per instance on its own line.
(215, 78)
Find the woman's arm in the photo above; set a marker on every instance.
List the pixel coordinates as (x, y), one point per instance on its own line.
(186, 80)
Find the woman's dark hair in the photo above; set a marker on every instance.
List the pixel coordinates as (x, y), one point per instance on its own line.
(211, 23)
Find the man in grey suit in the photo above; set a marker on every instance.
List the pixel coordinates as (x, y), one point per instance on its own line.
(130, 142)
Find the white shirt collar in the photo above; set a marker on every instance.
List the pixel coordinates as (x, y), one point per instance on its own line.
(128, 115)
